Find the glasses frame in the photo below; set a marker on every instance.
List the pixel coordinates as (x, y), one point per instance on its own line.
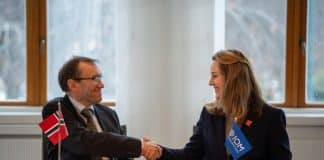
(94, 78)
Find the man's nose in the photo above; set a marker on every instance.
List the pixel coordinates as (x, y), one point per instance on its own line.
(101, 84)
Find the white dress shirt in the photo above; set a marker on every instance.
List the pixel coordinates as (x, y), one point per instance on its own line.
(79, 107)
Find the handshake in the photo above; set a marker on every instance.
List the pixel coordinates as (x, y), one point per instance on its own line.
(150, 150)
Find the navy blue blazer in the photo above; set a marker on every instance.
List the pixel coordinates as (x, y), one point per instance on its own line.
(267, 134)
(82, 144)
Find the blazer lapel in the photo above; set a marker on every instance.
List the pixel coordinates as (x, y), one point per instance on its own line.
(66, 103)
(100, 114)
(248, 123)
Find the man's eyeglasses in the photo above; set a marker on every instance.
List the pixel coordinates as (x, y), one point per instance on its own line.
(94, 78)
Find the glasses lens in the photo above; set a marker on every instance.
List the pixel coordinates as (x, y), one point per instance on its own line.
(97, 78)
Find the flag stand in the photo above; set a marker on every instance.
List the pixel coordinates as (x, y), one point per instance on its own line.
(54, 128)
(59, 133)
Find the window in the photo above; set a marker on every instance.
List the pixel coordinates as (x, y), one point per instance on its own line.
(314, 50)
(287, 65)
(36, 38)
(283, 39)
(84, 28)
(12, 50)
(259, 29)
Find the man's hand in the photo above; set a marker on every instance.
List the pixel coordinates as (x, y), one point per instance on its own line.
(150, 150)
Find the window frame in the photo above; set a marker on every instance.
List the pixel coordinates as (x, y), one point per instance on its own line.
(295, 56)
(36, 56)
(34, 25)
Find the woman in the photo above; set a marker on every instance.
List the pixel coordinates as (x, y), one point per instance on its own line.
(237, 96)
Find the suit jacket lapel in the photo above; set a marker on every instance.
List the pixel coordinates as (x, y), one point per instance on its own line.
(248, 128)
(66, 103)
(100, 114)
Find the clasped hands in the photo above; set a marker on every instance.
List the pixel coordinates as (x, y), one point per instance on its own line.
(150, 150)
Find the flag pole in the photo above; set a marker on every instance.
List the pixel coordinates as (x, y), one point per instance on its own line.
(59, 133)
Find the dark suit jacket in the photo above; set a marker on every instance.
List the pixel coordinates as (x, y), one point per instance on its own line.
(267, 135)
(82, 144)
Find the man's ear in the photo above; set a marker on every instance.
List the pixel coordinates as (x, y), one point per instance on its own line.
(71, 84)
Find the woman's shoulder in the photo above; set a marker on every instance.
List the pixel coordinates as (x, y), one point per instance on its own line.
(271, 111)
(209, 106)
(212, 109)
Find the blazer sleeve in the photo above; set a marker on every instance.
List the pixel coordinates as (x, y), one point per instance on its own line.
(278, 139)
(81, 141)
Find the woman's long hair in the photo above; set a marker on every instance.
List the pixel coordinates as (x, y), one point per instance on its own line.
(241, 94)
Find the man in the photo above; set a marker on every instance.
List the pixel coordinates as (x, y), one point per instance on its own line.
(94, 130)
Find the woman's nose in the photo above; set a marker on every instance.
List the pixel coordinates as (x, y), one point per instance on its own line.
(210, 82)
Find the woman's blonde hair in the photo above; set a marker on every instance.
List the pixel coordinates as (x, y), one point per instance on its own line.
(241, 94)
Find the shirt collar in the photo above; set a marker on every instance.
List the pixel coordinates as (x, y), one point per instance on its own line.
(78, 106)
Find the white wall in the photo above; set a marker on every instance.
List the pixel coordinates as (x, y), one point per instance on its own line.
(306, 133)
(165, 50)
(20, 137)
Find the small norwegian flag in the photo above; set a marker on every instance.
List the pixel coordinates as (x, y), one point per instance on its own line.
(54, 127)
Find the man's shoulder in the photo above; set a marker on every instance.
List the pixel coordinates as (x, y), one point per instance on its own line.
(105, 111)
(54, 101)
(51, 106)
(104, 108)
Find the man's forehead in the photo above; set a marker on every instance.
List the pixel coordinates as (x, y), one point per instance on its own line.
(88, 67)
